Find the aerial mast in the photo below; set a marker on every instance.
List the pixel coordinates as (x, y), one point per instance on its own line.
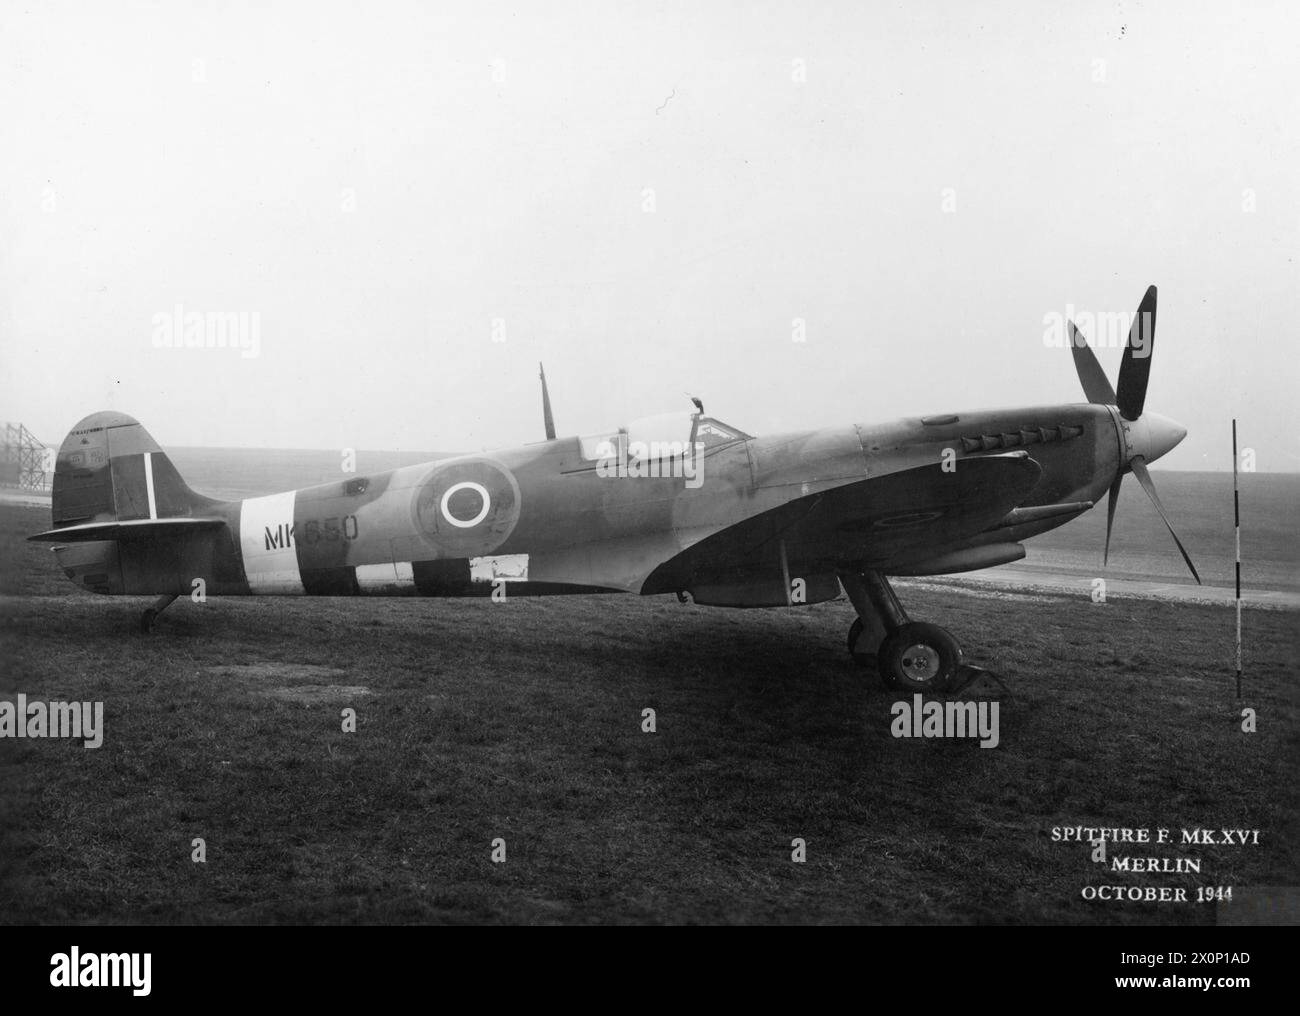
(547, 420)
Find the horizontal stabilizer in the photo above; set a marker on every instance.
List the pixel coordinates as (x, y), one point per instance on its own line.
(133, 529)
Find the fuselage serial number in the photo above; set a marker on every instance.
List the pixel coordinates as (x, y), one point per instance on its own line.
(313, 531)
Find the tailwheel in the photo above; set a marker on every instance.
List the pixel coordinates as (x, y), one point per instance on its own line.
(151, 615)
(919, 657)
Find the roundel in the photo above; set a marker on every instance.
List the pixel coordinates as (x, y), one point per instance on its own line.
(475, 493)
(466, 508)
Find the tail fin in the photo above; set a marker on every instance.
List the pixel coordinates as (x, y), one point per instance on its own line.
(110, 470)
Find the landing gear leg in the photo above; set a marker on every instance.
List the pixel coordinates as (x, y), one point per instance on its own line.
(909, 655)
(879, 612)
(149, 616)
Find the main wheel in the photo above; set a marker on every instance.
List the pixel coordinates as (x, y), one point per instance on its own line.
(919, 657)
(147, 619)
(855, 632)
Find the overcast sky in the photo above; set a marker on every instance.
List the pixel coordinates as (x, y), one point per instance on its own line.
(646, 197)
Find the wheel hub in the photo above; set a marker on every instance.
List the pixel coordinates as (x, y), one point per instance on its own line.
(920, 662)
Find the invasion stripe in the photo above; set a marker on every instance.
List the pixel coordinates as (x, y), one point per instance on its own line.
(266, 543)
(330, 582)
(448, 577)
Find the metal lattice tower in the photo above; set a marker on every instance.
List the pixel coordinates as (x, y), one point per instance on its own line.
(23, 460)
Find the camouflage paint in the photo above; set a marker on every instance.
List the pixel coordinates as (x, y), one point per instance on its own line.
(539, 519)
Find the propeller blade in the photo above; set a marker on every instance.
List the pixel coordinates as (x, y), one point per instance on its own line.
(1110, 514)
(1135, 368)
(1139, 467)
(1095, 383)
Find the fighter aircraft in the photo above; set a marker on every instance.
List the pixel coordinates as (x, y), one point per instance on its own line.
(681, 504)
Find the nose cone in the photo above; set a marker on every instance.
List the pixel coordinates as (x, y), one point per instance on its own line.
(1154, 435)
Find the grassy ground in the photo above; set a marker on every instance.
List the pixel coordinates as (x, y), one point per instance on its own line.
(523, 721)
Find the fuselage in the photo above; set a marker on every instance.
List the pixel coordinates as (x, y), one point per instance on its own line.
(548, 518)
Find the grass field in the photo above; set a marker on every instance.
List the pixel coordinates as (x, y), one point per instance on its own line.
(523, 721)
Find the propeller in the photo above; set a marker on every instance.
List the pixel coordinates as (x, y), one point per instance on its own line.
(1095, 383)
(1146, 436)
(1139, 467)
(1135, 368)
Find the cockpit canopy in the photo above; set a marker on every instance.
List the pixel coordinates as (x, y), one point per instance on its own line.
(667, 435)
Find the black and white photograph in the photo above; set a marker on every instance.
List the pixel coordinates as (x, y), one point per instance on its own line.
(649, 463)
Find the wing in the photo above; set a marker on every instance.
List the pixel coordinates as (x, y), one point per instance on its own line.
(880, 522)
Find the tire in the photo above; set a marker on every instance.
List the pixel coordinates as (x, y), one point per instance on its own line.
(855, 632)
(919, 657)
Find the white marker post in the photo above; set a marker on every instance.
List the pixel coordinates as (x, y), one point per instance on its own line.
(1236, 515)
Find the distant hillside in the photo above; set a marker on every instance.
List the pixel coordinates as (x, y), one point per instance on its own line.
(1200, 507)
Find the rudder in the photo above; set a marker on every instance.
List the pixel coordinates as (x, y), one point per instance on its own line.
(110, 469)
